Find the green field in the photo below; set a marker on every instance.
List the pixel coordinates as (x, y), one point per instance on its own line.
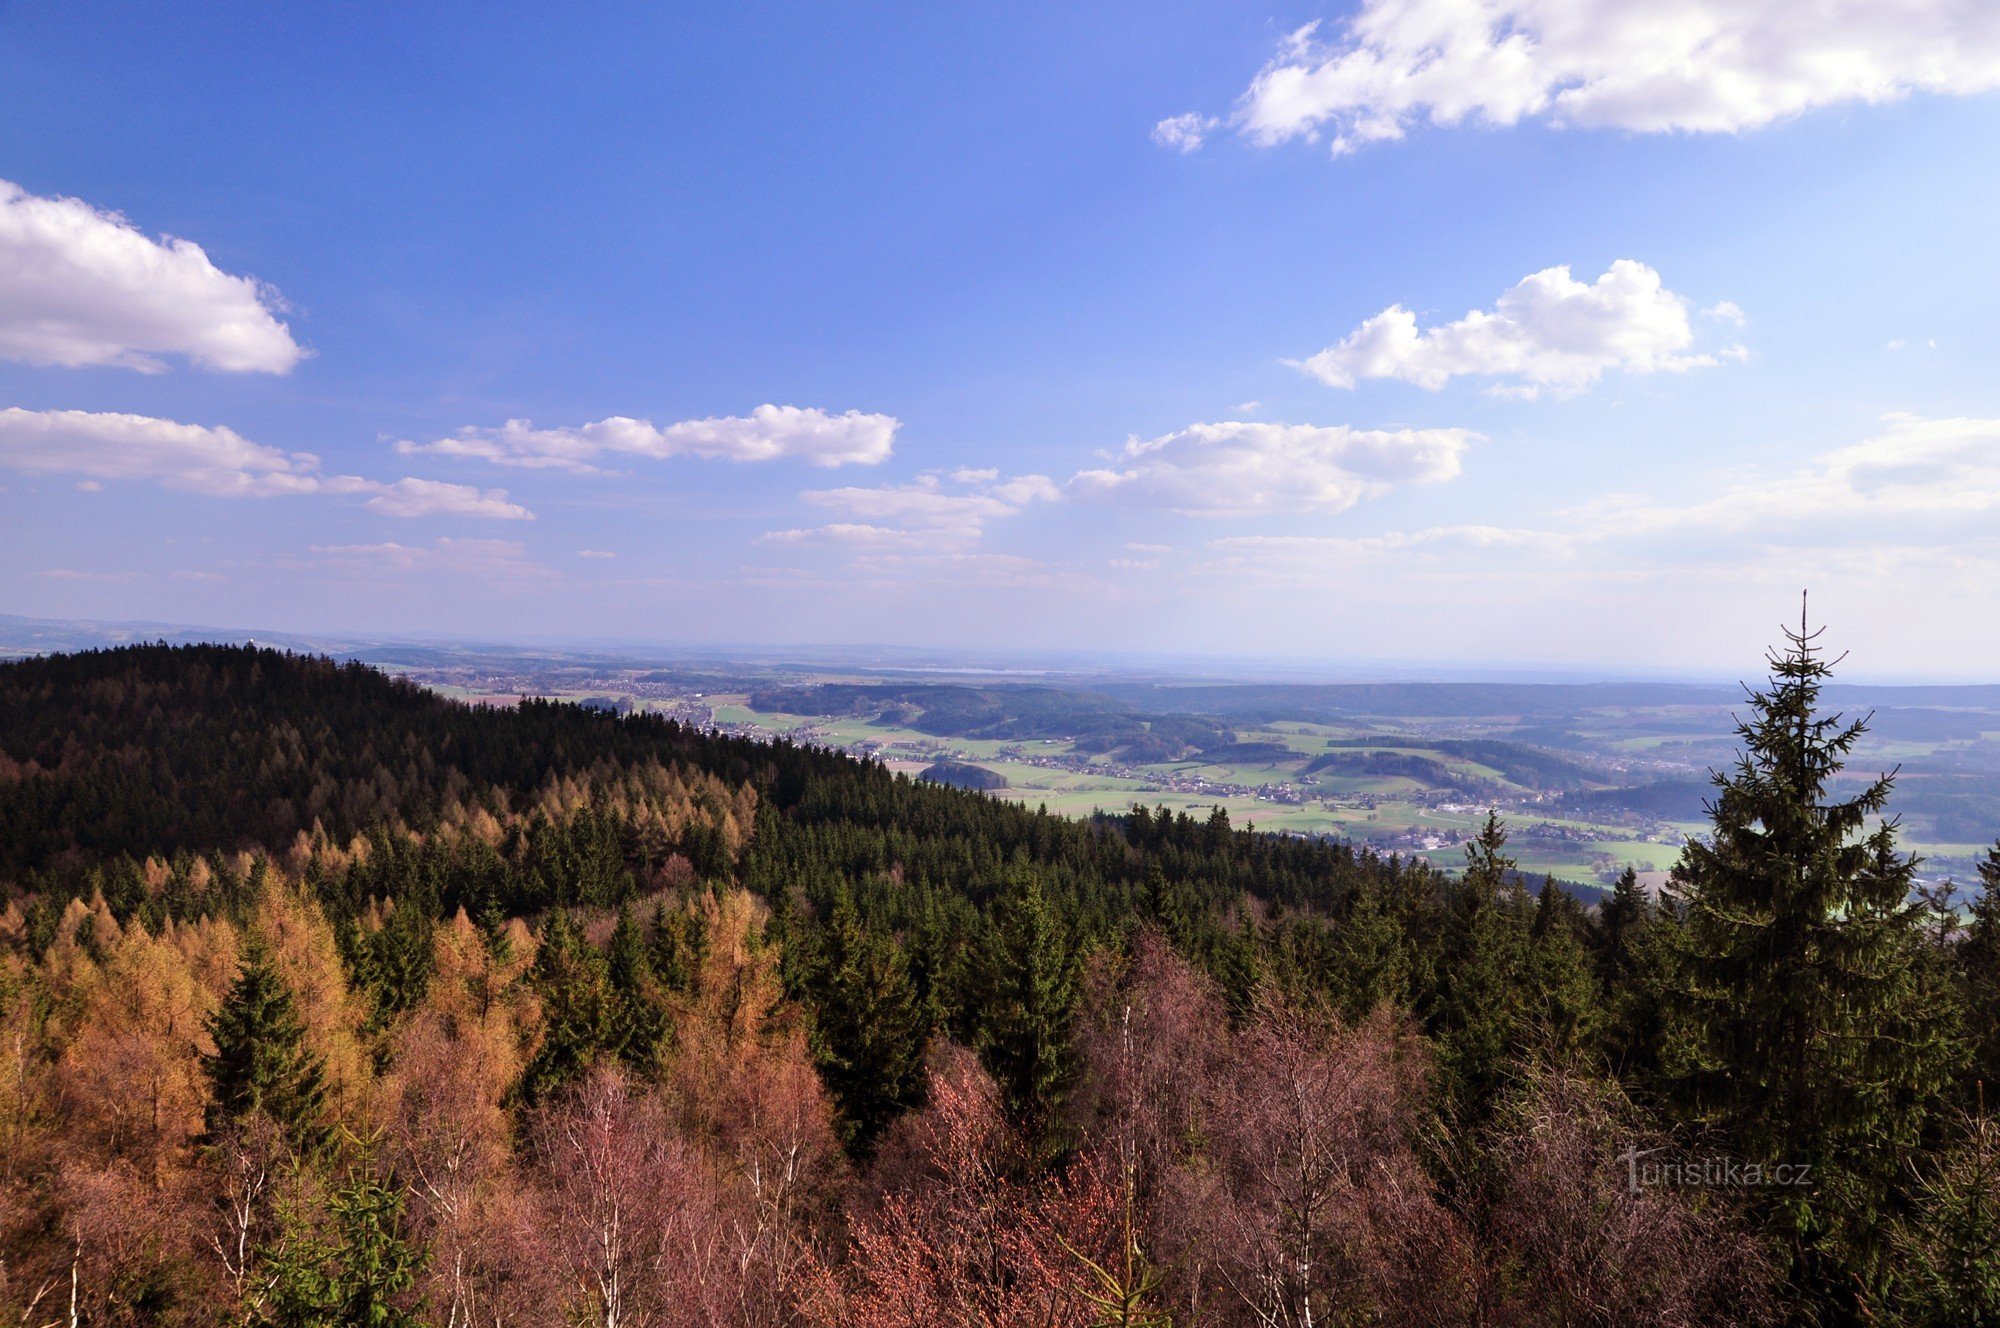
(1372, 801)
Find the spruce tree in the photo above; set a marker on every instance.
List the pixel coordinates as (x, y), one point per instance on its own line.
(1636, 962)
(1025, 993)
(261, 1061)
(680, 943)
(1620, 919)
(578, 1023)
(1951, 1242)
(869, 1030)
(1481, 1017)
(638, 1021)
(1372, 965)
(1813, 1029)
(1978, 955)
(359, 1274)
(375, 1265)
(1565, 1006)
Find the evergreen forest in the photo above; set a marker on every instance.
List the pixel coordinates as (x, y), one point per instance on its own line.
(326, 1000)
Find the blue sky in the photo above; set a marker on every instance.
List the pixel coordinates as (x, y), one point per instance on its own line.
(1037, 366)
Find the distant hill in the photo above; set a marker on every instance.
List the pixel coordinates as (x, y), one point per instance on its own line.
(957, 774)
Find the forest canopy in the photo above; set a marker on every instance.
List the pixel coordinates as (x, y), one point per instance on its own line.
(328, 1000)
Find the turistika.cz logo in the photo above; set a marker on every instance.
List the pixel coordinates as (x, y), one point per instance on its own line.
(1646, 1170)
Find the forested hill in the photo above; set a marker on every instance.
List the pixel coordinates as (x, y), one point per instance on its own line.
(171, 753)
(325, 1000)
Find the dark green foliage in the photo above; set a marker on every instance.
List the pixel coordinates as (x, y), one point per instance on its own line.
(594, 1004)
(358, 1274)
(260, 1062)
(393, 962)
(1979, 972)
(1024, 998)
(1951, 1243)
(1816, 1027)
(1793, 1005)
(1481, 1014)
(579, 1016)
(679, 944)
(1636, 961)
(638, 1020)
(869, 1028)
(1565, 1013)
(958, 774)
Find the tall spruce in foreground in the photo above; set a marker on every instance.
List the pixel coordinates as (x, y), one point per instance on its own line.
(1816, 1027)
(261, 1061)
(1481, 1015)
(579, 1015)
(868, 1030)
(1025, 994)
(1979, 969)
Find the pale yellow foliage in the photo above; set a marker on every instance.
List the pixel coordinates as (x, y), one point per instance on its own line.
(302, 949)
(131, 1073)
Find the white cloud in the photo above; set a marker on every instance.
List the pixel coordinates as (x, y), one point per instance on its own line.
(486, 558)
(921, 514)
(1183, 133)
(1549, 331)
(861, 535)
(1917, 470)
(1318, 548)
(766, 433)
(414, 497)
(1438, 550)
(595, 553)
(217, 461)
(1918, 497)
(80, 286)
(110, 446)
(1244, 469)
(1701, 66)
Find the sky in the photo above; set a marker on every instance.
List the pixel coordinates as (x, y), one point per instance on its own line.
(1579, 333)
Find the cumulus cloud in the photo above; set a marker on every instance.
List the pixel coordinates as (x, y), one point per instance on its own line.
(1700, 66)
(81, 286)
(925, 513)
(1549, 331)
(414, 497)
(1244, 469)
(112, 446)
(1183, 133)
(213, 460)
(765, 434)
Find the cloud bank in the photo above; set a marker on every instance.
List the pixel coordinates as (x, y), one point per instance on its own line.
(1916, 499)
(1242, 468)
(767, 433)
(80, 286)
(1698, 66)
(1915, 478)
(1549, 331)
(216, 461)
(923, 514)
